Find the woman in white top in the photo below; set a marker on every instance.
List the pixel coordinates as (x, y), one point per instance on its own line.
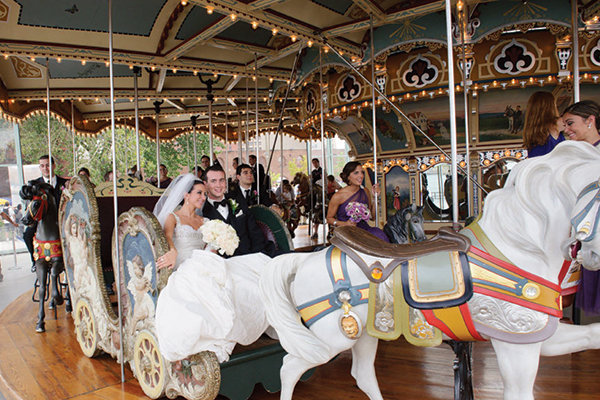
(209, 303)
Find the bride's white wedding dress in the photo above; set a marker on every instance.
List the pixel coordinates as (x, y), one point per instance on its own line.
(209, 303)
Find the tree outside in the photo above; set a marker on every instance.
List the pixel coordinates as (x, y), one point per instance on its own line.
(95, 152)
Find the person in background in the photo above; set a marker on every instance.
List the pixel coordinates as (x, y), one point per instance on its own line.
(232, 181)
(317, 172)
(353, 175)
(332, 186)
(259, 174)
(543, 124)
(108, 176)
(243, 192)
(7, 218)
(58, 183)
(83, 171)
(205, 162)
(582, 121)
(165, 180)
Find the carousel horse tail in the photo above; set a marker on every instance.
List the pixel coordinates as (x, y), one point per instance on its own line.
(295, 337)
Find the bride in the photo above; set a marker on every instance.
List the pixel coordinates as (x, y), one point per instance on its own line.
(209, 303)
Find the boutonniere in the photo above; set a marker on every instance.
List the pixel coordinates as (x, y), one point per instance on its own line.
(254, 193)
(234, 205)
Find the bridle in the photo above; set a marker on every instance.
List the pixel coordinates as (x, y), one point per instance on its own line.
(41, 210)
(585, 222)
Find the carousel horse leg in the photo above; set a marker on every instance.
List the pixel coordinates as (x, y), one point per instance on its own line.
(68, 305)
(57, 268)
(518, 366)
(363, 366)
(292, 369)
(572, 338)
(463, 384)
(42, 276)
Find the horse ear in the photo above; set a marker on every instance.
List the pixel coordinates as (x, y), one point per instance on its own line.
(420, 210)
(408, 216)
(26, 192)
(413, 207)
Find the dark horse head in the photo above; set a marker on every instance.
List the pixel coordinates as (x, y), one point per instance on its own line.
(406, 224)
(41, 209)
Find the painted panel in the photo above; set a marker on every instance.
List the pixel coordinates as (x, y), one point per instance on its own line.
(352, 129)
(139, 271)
(502, 113)
(397, 190)
(433, 117)
(390, 132)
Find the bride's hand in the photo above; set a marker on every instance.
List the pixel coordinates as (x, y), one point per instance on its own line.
(167, 260)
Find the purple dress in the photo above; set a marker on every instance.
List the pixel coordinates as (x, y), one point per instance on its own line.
(588, 294)
(360, 197)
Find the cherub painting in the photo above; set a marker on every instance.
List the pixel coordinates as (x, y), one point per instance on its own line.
(140, 287)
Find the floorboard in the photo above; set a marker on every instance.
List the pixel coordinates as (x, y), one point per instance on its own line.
(51, 366)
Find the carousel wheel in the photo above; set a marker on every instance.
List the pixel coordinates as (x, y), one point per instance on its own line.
(86, 328)
(149, 364)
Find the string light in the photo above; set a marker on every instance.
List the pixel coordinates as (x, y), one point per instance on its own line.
(274, 31)
(209, 10)
(184, 3)
(233, 16)
(83, 62)
(254, 24)
(310, 43)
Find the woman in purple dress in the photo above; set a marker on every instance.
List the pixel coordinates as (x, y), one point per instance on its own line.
(338, 215)
(541, 132)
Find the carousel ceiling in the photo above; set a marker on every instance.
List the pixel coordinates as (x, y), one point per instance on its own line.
(179, 46)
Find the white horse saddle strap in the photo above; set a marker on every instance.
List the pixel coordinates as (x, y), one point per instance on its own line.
(343, 290)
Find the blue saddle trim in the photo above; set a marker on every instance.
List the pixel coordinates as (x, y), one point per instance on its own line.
(340, 285)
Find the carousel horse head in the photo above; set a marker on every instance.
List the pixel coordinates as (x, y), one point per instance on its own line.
(584, 225)
(299, 178)
(406, 225)
(41, 198)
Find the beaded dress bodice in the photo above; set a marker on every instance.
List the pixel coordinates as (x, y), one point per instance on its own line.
(186, 240)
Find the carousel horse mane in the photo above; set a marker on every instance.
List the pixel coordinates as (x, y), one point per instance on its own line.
(535, 186)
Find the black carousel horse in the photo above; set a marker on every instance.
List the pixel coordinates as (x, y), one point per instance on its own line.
(42, 208)
(406, 225)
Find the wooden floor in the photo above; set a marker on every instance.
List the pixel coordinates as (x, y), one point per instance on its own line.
(51, 366)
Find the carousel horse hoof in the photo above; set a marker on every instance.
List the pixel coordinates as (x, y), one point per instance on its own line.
(315, 236)
(51, 305)
(40, 327)
(68, 307)
(58, 299)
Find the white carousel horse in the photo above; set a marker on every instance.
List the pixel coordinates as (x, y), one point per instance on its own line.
(527, 221)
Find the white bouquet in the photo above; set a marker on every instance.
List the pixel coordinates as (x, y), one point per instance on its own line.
(220, 236)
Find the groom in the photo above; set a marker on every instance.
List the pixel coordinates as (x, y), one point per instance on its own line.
(235, 214)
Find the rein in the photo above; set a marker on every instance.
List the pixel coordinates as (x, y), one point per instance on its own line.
(41, 211)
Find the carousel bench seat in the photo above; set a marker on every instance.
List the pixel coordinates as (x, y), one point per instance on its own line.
(130, 193)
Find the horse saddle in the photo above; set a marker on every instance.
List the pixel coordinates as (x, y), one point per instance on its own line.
(435, 273)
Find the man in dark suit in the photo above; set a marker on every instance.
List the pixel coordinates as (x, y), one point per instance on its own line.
(58, 183)
(244, 192)
(234, 213)
(259, 174)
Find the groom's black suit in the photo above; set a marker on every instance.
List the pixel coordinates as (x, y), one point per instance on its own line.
(251, 237)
